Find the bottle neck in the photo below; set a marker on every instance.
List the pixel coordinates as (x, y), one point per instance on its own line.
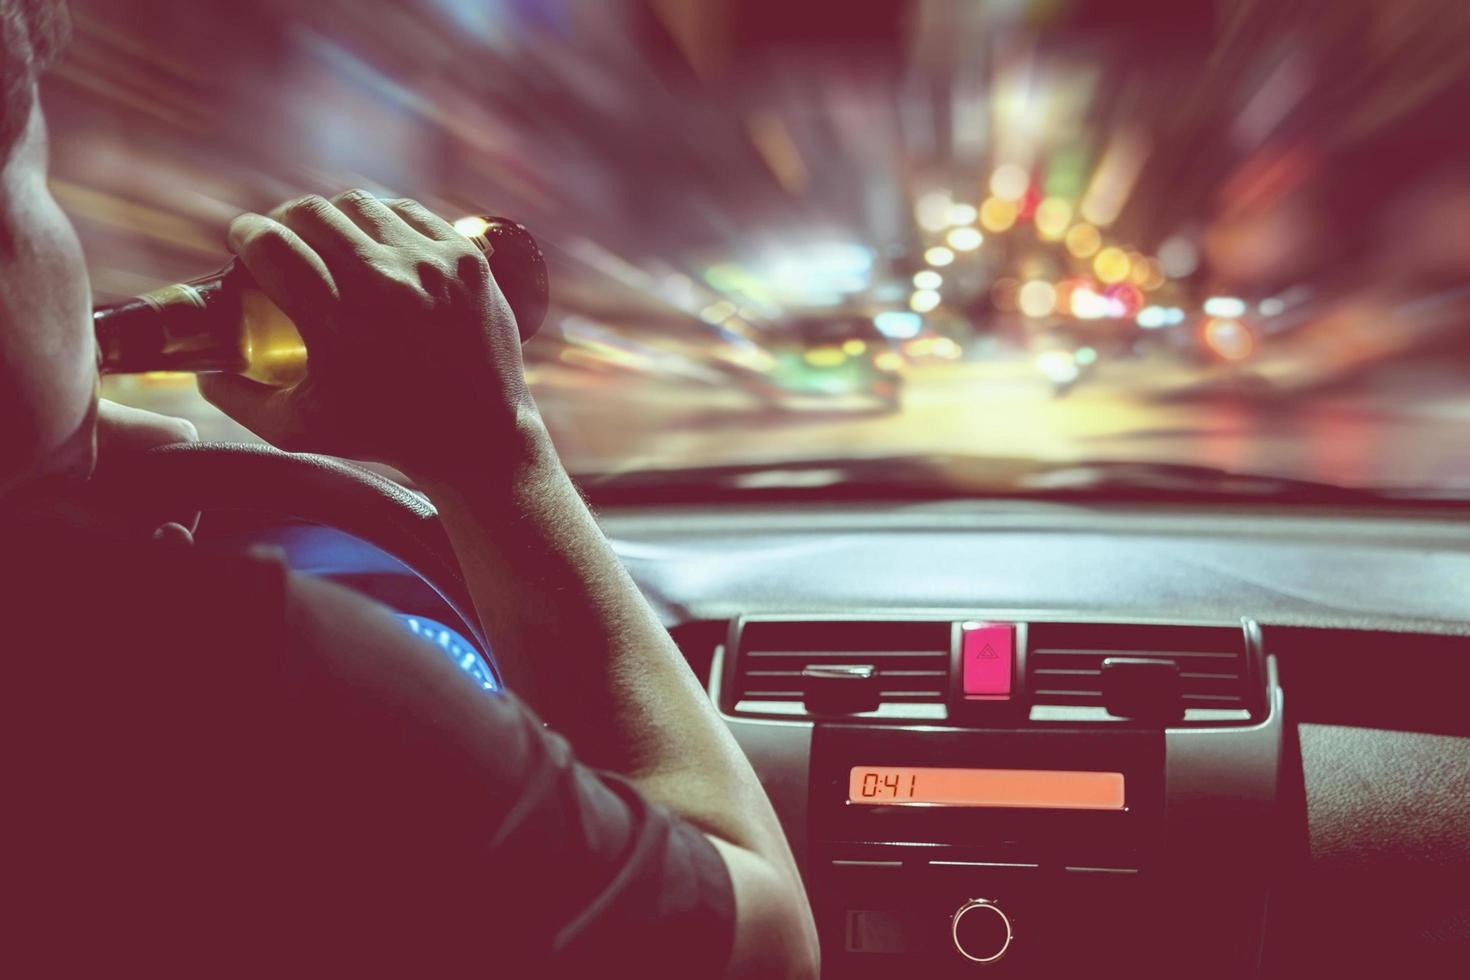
(193, 326)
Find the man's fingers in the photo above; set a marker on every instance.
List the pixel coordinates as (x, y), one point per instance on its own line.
(289, 271)
(375, 218)
(262, 409)
(424, 221)
(124, 429)
(342, 245)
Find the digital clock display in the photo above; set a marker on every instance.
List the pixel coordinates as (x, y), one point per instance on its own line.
(1041, 789)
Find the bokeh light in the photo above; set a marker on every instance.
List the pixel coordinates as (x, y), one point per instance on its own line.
(1009, 182)
(998, 214)
(1111, 265)
(923, 300)
(1052, 217)
(932, 210)
(1228, 338)
(1083, 240)
(964, 239)
(1228, 307)
(1178, 257)
(1037, 298)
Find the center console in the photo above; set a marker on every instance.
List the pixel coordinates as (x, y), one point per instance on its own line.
(951, 817)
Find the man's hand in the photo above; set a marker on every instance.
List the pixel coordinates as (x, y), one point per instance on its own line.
(412, 349)
(124, 431)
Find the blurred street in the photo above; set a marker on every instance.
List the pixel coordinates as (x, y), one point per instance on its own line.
(1007, 411)
(1228, 233)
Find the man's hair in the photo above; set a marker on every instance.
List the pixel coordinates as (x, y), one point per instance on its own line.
(31, 34)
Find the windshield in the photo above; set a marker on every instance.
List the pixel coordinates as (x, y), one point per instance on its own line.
(1232, 235)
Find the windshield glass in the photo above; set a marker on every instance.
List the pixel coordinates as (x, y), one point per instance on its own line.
(1232, 235)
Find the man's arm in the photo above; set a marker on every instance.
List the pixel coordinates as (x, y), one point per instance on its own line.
(410, 340)
(579, 642)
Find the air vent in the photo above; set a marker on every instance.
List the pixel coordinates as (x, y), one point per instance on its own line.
(911, 660)
(1064, 666)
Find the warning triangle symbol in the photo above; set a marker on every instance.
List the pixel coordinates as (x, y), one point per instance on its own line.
(988, 653)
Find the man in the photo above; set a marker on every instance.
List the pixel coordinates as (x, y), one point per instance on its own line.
(214, 766)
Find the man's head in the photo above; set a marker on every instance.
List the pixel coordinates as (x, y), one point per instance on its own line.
(47, 362)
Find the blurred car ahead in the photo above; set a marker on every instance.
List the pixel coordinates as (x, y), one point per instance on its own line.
(834, 363)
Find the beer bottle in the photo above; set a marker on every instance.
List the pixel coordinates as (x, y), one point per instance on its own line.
(224, 322)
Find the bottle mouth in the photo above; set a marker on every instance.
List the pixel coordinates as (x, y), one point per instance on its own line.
(519, 267)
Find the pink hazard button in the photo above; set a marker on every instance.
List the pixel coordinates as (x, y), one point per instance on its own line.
(986, 654)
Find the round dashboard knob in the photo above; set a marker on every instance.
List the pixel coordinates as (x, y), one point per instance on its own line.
(981, 931)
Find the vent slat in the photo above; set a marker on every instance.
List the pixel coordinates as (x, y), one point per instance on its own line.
(1169, 654)
(911, 659)
(862, 655)
(1064, 662)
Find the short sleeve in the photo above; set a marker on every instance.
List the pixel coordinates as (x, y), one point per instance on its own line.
(440, 827)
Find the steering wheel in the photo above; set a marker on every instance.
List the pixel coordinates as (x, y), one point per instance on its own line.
(204, 476)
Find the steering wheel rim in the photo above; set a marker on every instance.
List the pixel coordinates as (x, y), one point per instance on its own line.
(322, 490)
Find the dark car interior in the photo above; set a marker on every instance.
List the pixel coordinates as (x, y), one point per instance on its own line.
(1286, 735)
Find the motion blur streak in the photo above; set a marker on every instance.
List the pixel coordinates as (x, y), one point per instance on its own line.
(712, 179)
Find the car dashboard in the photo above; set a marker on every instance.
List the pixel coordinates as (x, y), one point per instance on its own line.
(1014, 737)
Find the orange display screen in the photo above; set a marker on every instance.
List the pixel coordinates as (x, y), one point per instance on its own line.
(1043, 789)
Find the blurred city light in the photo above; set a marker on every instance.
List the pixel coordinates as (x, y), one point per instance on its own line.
(1152, 317)
(998, 214)
(938, 255)
(1124, 298)
(927, 279)
(825, 357)
(964, 239)
(1224, 306)
(718, 312)
(898, 324)
(1052, 217)
(962, 214)
(1059, 366)
(1178, 257)
(1114, 178)
(1229, 339)
(1272, 306)
(923, 300)
(1083, 240)
(941, 347)
(1085, 356)
(1088, 304)
(931, 211)
(1037, 298)
(1111, 265)
(1147, 273)
(1009, 182)
(888, 361)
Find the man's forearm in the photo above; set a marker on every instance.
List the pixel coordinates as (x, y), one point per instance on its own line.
(578, 642)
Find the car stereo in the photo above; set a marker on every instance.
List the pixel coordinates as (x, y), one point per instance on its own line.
(1026, 851)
